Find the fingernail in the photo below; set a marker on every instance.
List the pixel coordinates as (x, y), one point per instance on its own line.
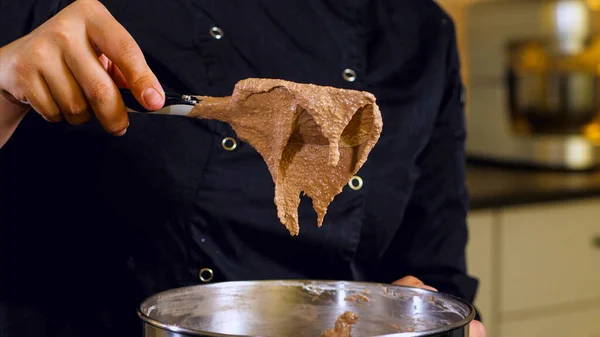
(152, 97)
(120, 133)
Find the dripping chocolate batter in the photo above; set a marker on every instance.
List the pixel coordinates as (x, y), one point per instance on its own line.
(343, 325)
(312, 138)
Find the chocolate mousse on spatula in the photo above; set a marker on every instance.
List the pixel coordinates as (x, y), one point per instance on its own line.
(312, 138)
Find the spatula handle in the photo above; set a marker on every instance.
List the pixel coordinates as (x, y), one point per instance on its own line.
(175, 104)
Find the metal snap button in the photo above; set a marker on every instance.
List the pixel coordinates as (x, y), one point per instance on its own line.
(355, 183)
(349, 75)
(216, 33)
(229, 143)
(206, 275)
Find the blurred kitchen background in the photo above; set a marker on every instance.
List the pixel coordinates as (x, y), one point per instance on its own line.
(531, 69)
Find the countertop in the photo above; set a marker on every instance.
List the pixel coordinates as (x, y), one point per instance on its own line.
(497, 187)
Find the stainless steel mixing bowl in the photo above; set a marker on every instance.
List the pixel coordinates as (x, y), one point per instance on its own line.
(303, 308)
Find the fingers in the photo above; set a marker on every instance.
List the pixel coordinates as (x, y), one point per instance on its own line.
(67, 93)
(57, 68)
(115, 73)
(40, 98)
(98, 88)
(477, 329)
(411, 281)
(120, 47)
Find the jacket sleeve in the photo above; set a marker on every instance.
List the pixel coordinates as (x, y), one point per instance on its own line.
(430, 244)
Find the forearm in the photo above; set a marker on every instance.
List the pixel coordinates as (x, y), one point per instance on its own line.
(11, 114)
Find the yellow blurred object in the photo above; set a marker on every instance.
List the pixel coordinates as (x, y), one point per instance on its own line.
(594, 4)
(533, 81)
(592, 132)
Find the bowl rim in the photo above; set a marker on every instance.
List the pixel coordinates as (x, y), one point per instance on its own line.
(191, 332)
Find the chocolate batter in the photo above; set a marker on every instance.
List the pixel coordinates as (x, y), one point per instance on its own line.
(400, 329)
(312, 138)
(343, 325)
(357, 298)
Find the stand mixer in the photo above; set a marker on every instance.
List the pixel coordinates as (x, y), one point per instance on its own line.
(533, 85)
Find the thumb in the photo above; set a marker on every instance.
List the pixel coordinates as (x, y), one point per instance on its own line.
(476, 329)
(411, 281)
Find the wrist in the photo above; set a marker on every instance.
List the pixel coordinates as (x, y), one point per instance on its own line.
(9, 102)
(11, 114)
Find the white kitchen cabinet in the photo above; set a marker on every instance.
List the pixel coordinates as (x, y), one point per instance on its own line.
(539, 268)
(479, 262)
(549, 255)
(584, 323)
(548, 267)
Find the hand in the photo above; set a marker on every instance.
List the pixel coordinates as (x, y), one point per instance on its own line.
(70, 66)
(476, 329)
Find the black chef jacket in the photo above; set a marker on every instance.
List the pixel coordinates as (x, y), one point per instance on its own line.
(92, 224)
